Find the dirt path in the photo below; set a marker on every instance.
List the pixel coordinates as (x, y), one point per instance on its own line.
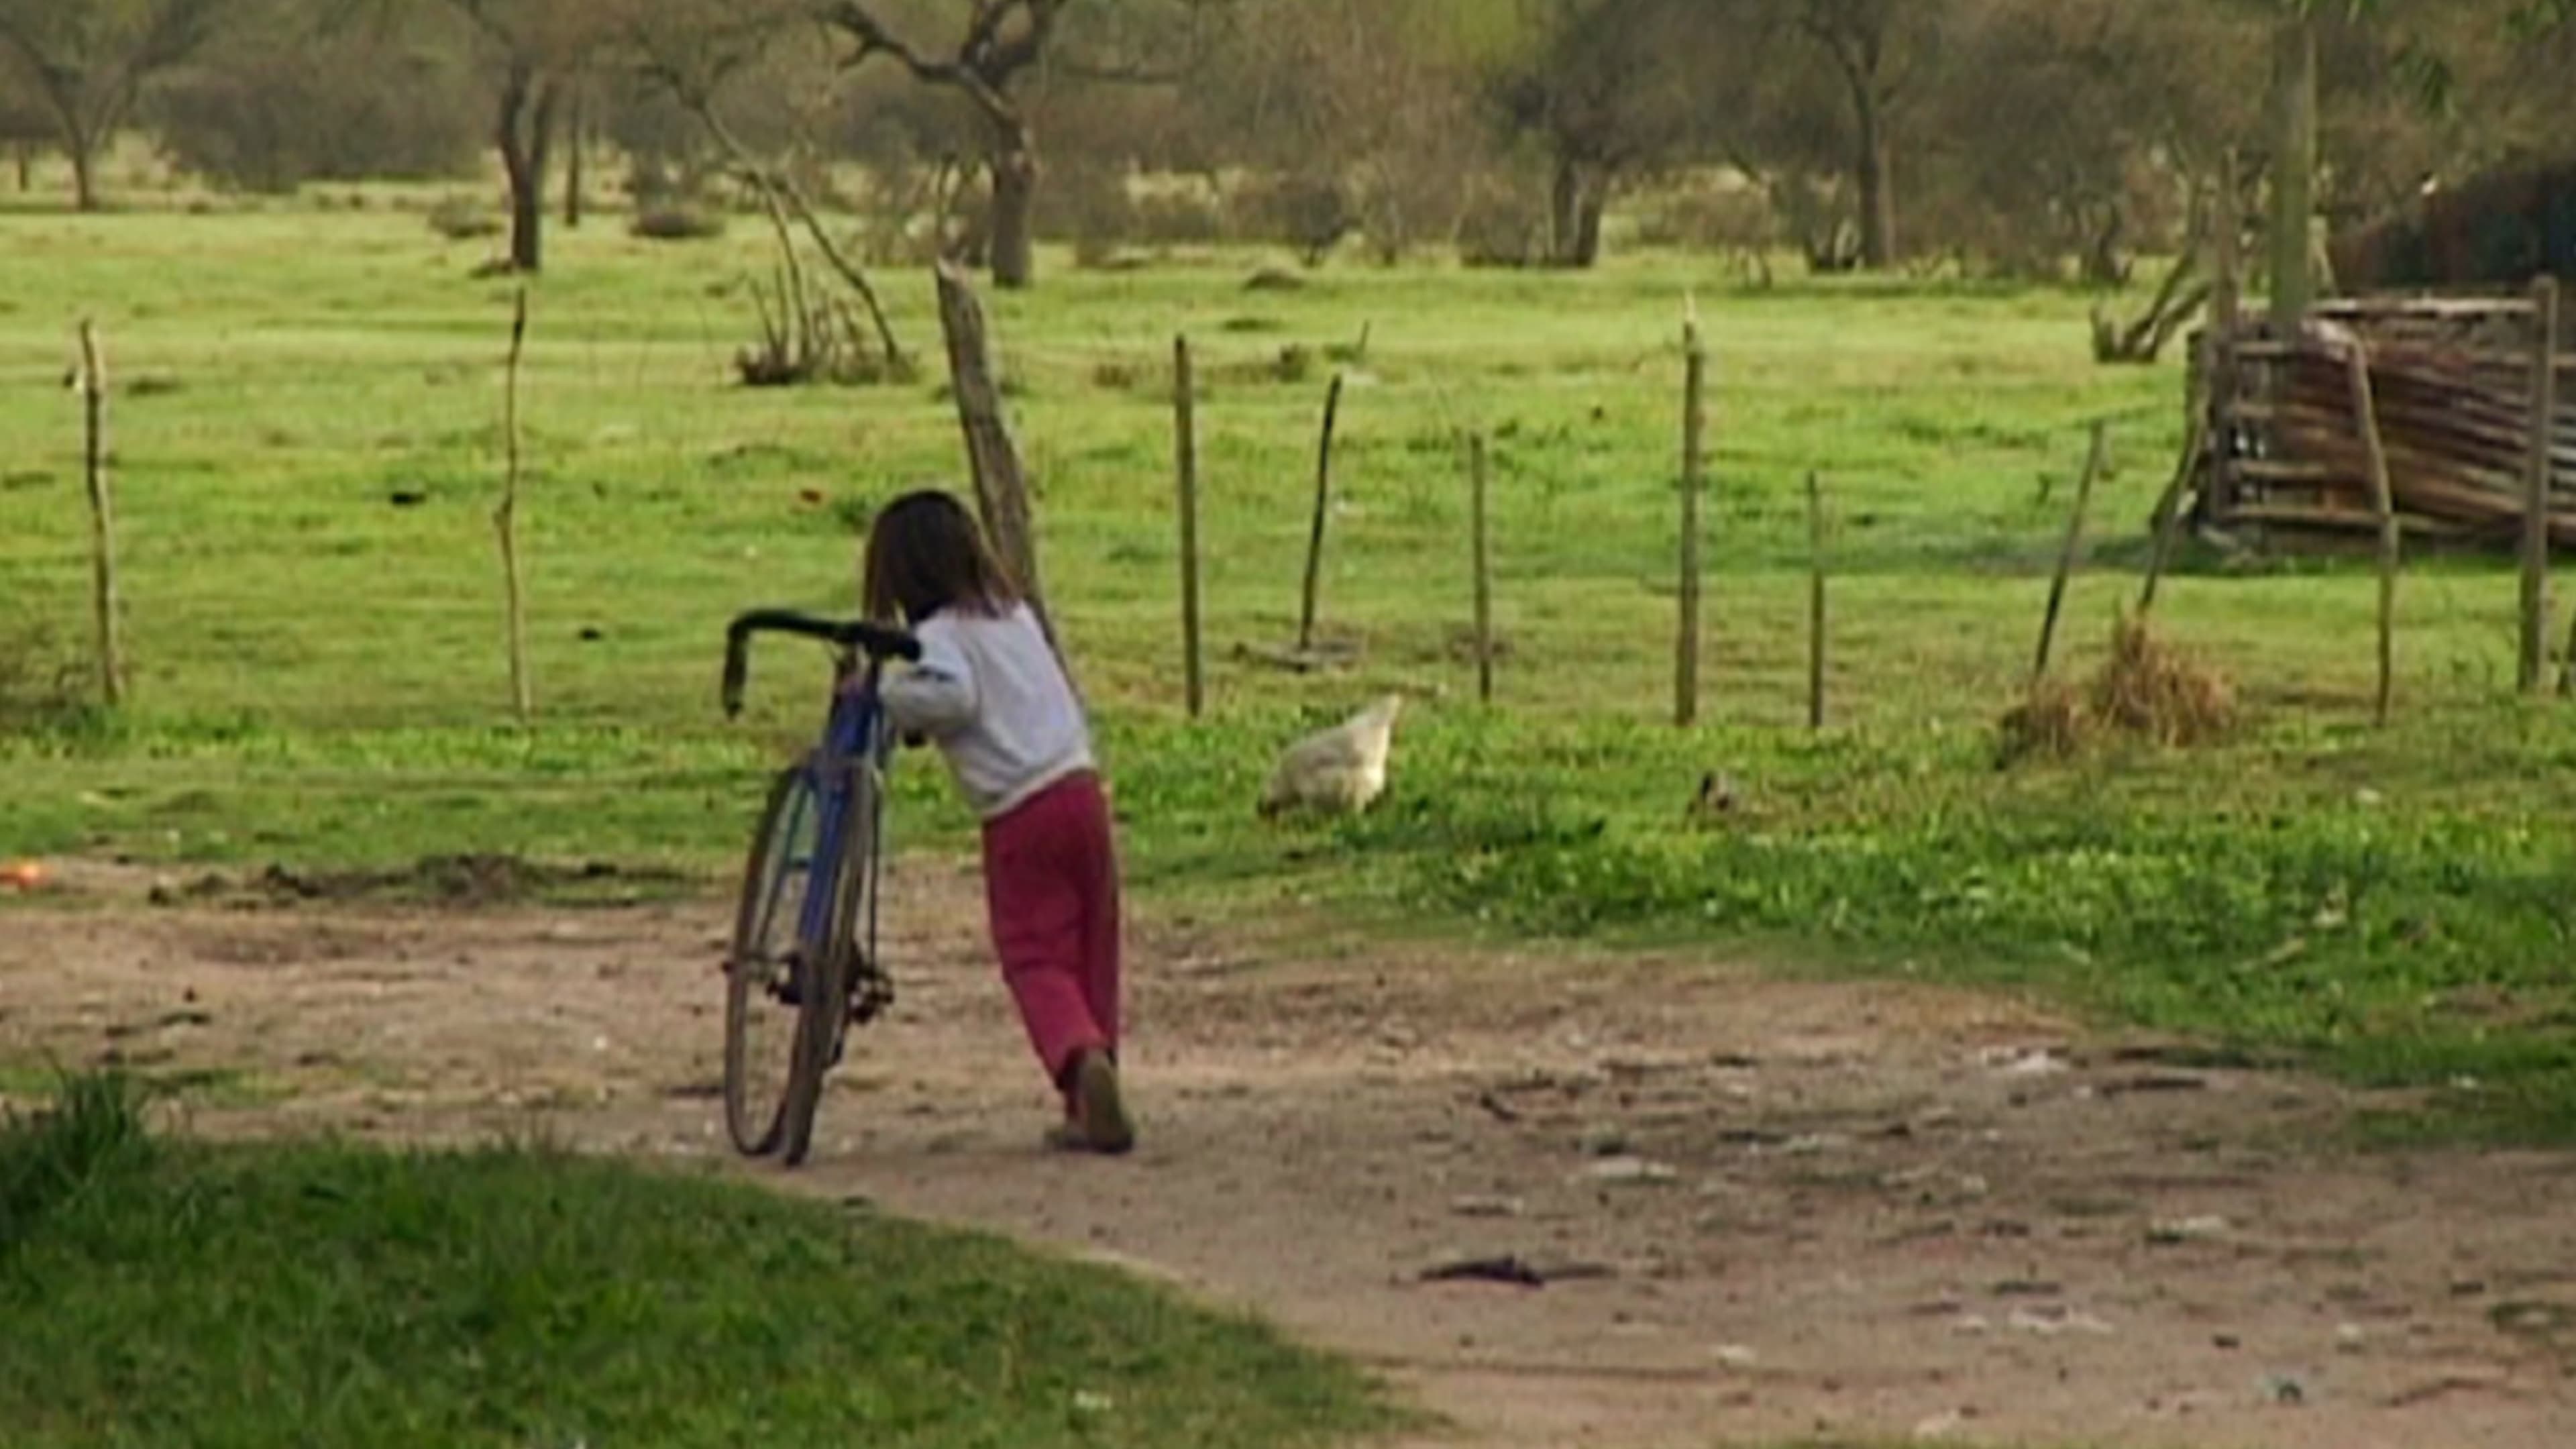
(1783, 1209)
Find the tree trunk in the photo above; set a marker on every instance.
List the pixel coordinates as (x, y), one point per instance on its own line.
(1587, 221)
(1015, 195)
(1577, 196)
(26, 168)
(83, 150)
(2294, 168)
(1564, 210)
(1873, 168)
(572, 164)
(525, 135)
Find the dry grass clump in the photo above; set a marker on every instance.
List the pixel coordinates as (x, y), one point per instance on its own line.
(2156, 692)
(2147, 690)
(2051, 722)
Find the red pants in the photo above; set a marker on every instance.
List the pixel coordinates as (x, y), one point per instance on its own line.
(1051, 884)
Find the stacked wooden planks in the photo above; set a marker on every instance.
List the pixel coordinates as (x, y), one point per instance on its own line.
(2451, 383)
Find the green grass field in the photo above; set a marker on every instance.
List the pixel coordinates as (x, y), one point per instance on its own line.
(161, 1292)
(319, 676)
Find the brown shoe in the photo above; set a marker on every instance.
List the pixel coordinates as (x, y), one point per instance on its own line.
(1101, 1113)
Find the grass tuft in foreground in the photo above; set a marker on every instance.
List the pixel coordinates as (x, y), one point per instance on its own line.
(173, 1293)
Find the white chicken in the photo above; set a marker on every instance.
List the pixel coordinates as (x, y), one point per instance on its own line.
(1338, 771)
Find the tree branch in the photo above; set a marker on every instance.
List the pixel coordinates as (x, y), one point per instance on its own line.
(986, 60)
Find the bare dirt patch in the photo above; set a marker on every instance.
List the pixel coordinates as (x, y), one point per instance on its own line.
(1562, 1198)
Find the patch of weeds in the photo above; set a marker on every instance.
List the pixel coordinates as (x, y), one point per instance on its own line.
(766, 460)
(91, 1129)
(45, 685)
(1120, 374)
(853, 513)
(488, 879)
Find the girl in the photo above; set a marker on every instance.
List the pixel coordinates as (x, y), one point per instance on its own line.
(989, 691)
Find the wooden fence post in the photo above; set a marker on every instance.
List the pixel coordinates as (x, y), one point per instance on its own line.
(1323, 506)
(505, 518)
(2535, 506)
(1001, 485)
(1815, 602)
(1483, 565)
(2095, 459)
(2167, 519)
(102, 516)
(2365, 408)
(1186, 449)
(1694, 462)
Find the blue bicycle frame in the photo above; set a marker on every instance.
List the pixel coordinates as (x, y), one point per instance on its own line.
(852, 741)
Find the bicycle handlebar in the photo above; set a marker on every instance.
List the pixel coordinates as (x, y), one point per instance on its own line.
(876, 640)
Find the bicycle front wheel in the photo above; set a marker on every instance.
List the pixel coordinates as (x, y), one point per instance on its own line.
(767, 971)
(838, 965)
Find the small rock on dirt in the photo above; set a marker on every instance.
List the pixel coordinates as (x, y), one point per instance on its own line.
(1604, 1142)
(2050, 1322)
(1487, 1207)
(1629, 1171)
(2166, 1232)
(2284, 1389)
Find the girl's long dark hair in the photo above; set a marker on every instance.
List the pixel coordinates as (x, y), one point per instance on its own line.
(925, 554)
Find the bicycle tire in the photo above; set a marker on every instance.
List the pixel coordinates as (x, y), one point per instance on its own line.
(823, 1020)
(755, 1114)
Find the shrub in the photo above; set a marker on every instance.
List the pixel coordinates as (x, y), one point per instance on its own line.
(1502, 229)
(677, 221)
(460, 218)
(1310, 213)
(1708, 217)
(1178, 218)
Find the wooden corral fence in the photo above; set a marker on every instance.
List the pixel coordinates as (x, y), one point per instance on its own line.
(2284, 463)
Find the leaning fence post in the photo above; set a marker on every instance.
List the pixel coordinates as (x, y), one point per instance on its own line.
(2094, 461)
(102, 514)
(1323, 509)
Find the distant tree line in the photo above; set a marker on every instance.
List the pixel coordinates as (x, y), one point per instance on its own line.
(1999, 137)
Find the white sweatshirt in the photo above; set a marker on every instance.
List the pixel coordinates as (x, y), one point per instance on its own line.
(989, 691)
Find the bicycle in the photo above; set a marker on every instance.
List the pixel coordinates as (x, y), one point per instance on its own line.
(820, 839)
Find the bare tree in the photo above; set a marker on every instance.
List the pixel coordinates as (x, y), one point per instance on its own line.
(1362, 113)
(1877, 48)
(87, 61)
(536, 50)
(1606, 86)
(25, 124)
(690, 51)
(1002, 41)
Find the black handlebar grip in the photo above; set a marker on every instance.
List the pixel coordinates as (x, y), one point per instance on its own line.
(885, 642)
(737, 668)
(876, 639)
